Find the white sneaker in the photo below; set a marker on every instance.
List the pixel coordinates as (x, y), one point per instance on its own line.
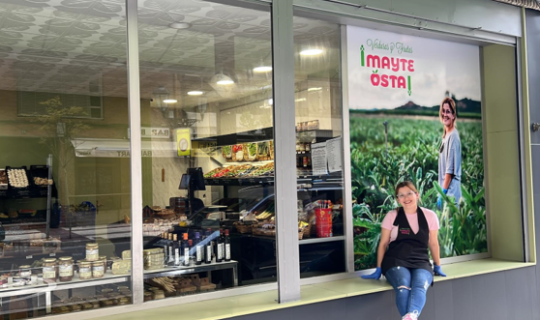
(411, 316)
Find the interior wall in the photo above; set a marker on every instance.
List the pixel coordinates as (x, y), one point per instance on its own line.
(502, 152)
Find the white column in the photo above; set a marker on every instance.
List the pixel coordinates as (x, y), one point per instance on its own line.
(285, 152)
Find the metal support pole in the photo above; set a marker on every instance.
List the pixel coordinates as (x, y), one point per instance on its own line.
(285, 152)
(137, 272)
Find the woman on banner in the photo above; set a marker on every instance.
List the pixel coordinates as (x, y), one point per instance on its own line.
(449, 153)
(407, 233)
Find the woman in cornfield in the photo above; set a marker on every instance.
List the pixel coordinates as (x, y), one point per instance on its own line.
(449, 153)
(408, 232)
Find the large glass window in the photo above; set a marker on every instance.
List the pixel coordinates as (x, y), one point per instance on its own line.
(208, 171)
(64, 158)
(319, 149)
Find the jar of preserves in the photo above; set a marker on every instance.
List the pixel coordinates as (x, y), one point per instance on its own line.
(98, 271)
(49, 270)
(147, 296)
(65, 269)
(25, 271)
(103, 259)
(92, 252)
(159, 294)
(123, 301)
(85, 270)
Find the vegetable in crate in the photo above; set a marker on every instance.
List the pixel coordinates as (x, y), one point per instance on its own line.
(252, 151)
(227, 152)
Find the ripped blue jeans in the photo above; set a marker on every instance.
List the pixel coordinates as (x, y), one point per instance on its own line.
(411, 287)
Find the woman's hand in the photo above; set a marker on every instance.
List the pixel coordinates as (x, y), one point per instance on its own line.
(375, 275)
(439, 199)
(438, 271)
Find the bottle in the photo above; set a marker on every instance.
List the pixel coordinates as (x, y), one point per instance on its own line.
(185, 262)
(227, 242)
(163, 243)
(170, 247)
(220, 247)
(199, 250)
(209, 246)
(176, 246)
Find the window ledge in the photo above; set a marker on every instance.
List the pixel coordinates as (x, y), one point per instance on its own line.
(314, 293)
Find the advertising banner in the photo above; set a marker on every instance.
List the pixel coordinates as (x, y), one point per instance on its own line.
(415, 115)
(183, 142)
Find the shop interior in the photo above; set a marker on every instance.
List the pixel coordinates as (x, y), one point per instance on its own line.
(207, 154)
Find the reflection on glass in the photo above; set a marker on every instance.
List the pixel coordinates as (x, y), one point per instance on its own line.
(64, 158)
(319, 147)
(208, 171)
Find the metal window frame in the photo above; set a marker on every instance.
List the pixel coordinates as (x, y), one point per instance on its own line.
(288, 251)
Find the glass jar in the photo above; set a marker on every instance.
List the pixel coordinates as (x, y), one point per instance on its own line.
(104, 260)
(159, 294)
(147, 296)
(92, 252)
(98, 271)
(25, 272)
(85, 270)
(49, 270)
(123, 301)
(65, 269)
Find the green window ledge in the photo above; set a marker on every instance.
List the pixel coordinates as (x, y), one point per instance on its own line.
(314, 293)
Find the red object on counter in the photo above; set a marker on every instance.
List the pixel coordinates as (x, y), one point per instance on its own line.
(324, 222)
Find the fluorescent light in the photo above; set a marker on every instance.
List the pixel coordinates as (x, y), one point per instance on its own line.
(225, 82)
(262, 69)
(180, 25)
(311, 52)
(271, 101)
(170, 101)
(300, 100)
(314, 89)
(195, 93)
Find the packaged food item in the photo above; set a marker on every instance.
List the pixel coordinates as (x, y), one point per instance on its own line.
(98, 270)
(92, 252)
(49, 270)
(25, 271)
(65, 269)
(85, 270)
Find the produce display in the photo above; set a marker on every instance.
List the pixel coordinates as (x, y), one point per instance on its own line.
(255, 151)
(3, 177)
(42, 181)
(242, 171)
(17, 178)
(268, 212)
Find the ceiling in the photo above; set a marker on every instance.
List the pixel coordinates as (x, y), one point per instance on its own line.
(68, 45)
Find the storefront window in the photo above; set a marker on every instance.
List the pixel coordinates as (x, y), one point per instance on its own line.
(319, 149)
(416, 114)
(208, 170)
(64, 158)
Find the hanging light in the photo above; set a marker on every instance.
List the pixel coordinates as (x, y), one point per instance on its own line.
(222, 79)
(311, 52)
(161, 98)
(195, 93)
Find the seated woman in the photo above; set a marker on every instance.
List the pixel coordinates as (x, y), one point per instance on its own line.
(407, 232)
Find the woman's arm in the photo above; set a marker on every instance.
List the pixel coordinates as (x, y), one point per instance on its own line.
(447, 180)
(383, 244)
(434, 246)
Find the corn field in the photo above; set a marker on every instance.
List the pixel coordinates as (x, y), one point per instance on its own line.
(411, 153)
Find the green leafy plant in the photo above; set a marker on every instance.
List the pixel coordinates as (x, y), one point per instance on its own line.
(413, 155)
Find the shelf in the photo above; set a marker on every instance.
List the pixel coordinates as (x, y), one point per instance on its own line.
(175, 271)
(327, 179)
(321, 240)
(108, 278)
(263, 134)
